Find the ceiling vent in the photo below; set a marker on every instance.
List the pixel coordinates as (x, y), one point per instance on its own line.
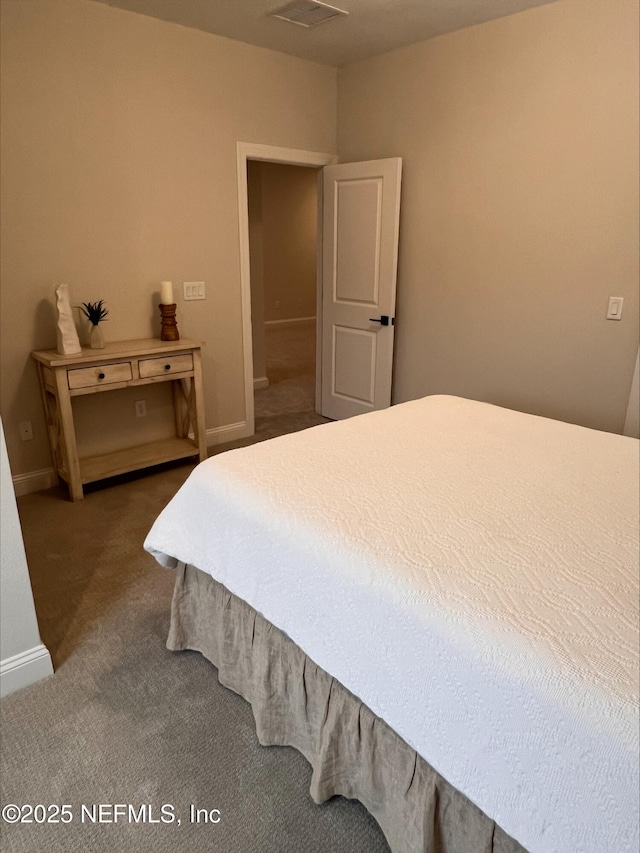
(307, 13)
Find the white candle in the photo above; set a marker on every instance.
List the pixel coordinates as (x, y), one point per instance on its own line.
(166, 293)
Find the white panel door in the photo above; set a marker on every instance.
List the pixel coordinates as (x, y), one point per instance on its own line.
(361, 210)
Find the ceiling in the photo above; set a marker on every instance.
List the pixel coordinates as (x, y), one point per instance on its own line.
(370, 28)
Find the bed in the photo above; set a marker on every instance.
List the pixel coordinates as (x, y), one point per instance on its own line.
(438, 605)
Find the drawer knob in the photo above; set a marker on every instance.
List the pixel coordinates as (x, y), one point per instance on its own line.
(167, 367)
(101, 376)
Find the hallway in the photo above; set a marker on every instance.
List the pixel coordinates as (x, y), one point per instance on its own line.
(288, 404)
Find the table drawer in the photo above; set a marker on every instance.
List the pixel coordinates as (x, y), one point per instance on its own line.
(102, 374)
(165, 366)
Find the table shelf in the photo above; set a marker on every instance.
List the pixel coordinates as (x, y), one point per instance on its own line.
(116, 462)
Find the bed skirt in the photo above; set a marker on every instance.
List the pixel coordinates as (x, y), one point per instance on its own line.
(353, 752)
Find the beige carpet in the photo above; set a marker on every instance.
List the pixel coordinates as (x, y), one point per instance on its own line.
(124, 721)
(290, 353)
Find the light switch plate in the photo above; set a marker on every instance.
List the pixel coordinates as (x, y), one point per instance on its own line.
(193, 290)
(615, 308)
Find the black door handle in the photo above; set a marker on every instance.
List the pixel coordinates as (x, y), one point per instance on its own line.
(384, 320)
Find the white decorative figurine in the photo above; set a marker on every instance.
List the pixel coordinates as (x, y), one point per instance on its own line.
(67, 334)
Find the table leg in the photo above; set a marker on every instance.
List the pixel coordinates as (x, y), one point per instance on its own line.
(67, 437)
(198, 406)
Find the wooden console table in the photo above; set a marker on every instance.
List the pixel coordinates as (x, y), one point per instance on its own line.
(121, 365)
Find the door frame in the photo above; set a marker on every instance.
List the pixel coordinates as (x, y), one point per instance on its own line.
(291, 157)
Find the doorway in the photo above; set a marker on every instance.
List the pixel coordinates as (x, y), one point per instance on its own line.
(283, 208)
(284, 334)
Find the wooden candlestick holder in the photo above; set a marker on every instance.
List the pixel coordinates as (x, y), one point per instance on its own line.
(169, 329)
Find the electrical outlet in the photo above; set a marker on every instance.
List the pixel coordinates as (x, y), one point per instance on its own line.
(26, 430)
(141, 408)
(193, 290)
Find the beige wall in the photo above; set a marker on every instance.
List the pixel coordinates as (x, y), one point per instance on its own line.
(289, 225)
(520, 206)
(119, 170)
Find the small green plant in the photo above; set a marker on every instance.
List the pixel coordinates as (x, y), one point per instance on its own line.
(95, 312)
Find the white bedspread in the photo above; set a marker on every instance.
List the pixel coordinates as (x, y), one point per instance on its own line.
(471, 574)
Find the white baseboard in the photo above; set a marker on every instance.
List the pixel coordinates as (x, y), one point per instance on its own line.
(260, 383)
(294, 321)
(35, 481)
(230, 432)
(24, 669)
